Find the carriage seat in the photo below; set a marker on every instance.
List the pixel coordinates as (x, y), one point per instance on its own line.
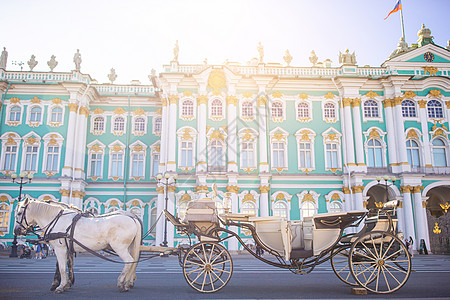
(203, 210)
(237, 217)
(337, 220)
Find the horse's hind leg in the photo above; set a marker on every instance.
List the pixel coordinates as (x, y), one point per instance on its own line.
(61, 255)
(122, 282)
(56, 278)
(70, 266)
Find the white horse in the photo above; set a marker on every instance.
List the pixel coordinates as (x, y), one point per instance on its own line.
(121, 232)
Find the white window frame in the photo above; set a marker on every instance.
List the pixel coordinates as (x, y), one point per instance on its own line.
(57, 140)
(210, 108)
(419, 148)
(330, 119)
(279, 135)
(113, 125)
(100, 147)
(306, 135)
(369, 134)
(243, 197)
(378, 109)
(8, 120)
(374, 147)
(50, 114)
(142, 151)
(143, 132)
(181, 113)
(313, 199)
(250, 102)
(408, 110)
(8, 210)
(29, 112)
(278, 119)
(9, 139)
(187, 134)
(248, 135)
(281, 196)
(157, 133)
(332, 136)
(446, 152)
(25, 144)
(111, 153)
(441, 108)
(308, 118)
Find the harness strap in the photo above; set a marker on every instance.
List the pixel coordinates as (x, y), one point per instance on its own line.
(72, 230)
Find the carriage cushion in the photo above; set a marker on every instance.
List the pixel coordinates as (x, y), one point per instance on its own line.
(201, 211)
(336, 220)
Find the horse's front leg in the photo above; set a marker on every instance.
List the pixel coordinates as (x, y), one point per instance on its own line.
(56, 278)
(70, 266)
(61, 255)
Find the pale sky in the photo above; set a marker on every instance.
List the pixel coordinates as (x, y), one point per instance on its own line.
(135, 36)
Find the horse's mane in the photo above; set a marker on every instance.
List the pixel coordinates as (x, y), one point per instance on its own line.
(42, 207)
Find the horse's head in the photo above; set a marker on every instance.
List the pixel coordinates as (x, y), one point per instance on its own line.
(23, 224)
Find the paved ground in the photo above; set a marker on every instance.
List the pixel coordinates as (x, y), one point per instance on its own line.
(162, 278)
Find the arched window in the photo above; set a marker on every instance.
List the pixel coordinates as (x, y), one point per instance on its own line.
(408, 109)
(93, 211)
(277, 110)
(139, 124)
(4, 217)
(153, 217)
(99, 124)
(303, 110)
(248, 207)
(187, 110)
(137, 211)
(412, 150)
(280, 209)
(247, 109)
(35, 114)
(439, 153)
(374, 153)
(329, 110)
(216, 108)
(14, 113)
(371, 109)
(158, 125)
(56, 114)
(307, 209)
(435, 109)
(216, 154)
(119, 124)
(335, 206)
(112, 209)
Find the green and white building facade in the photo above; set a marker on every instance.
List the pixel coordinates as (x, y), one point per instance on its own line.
(281, 140)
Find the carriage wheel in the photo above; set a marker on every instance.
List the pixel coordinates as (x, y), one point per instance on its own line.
(207, 267)
(340, 265)
(380, 262)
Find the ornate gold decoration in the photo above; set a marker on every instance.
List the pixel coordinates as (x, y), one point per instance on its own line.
(430, 70)
(216, 136)
(157, 148)
(436, 228)
(64, 193)
(438, 131)
(158, 111)
(173, 99)
(371, 94)
(417, 189)
(356, 102)
(117, 148)
(335, 197)
(422, 103)
(277, 94)
(447, 103)
(305, 136)
(187, 134)
(98, 111)
(95, 178)
(201, 189)
(280, 196)
(346, 190)
(50, 173)
(187, 93)
(31, 140)
(445, 206)
(3, 198)
(84, 111)
(388, 102)
(11, 140)
(35, 100)
(160, 189)
(249, 197)
(52, 142)
(410, 94)
(171, 188)
(248, 135)
(334, 170)
(247, 94)
(233, 189)
(119, 111)
(73, 107)
(139, 112)
(248, 170)
(232, 100)
(115, 178)
(14, 100)
(279, 136)
(138, 148)
(163, 102)
(357, 189)
(332, 137)
(347, 102)
(329, 95)
(113, 203)
(398, 101)
(374, 134)
(56, 101)
(96, 148)
(308, 197)
(412, 134)
(265, 189)
(435, 93)
(303, 96)
(262, 101)
(406, 189)
(217, 81)
(379, 204)
(202, 99)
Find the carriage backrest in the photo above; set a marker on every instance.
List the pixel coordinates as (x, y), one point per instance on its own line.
(203, 210)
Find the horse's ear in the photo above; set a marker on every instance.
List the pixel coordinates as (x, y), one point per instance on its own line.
(25, 201)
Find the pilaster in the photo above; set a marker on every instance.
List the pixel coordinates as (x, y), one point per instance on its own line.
(425, 136)
(232, 137)
(393, 161)
(408, 212)
(172, 136)
(201, 126)
(359, 147)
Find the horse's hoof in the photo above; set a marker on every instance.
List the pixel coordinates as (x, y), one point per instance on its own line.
(59, 291)
(53, 287)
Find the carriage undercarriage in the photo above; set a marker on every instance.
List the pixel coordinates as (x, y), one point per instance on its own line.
(375, 258)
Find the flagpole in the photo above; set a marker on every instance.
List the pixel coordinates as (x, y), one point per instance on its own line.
(403, 26)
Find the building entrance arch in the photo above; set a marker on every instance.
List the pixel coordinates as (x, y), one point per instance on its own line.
(438, 217)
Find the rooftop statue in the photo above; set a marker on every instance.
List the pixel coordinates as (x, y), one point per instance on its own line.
(347, 58)
(424, 35)
(287, 58)
(261, 52)
(3, 58)
(176, 50)
(112, 76)
(77, 60)
(313, 58)
(401, 48)
(32, 62)
(52, 63)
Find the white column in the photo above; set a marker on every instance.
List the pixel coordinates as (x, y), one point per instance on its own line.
(233, 189)
(164, 138)
(232, 138)
(171, 209)
(349, 133)
(400, 134)
(172, 138)
(80, 143)
(159, 208)
(263, 163)
(425, 136)
(408, 213)
(359, 147)
(264, 200)
(400, 216)
(201, 126)
(421, 218)
(71, 129)
(390, 133)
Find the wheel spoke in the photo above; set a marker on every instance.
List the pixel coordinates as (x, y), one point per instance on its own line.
(364, 244)
(392, 275)
(194, 263)
(212, 281)
(393, 254)
(222, 262)
(397, 269)
(374, 247)
(219, 270)
(195, 280)
(218, 277)
(199, 257)
(370, 277)
(212, 251)
(190, 272)
(389, 247)
(378, 278)
(385, 279)
(342, 269)
(204, 280)
(219, 255)
(204, 254)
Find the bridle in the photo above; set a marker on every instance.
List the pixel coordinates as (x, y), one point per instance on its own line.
(29, 228)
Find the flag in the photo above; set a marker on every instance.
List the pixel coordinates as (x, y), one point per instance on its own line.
(397, 7)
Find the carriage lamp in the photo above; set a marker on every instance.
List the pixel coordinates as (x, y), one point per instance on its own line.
(386, 183)
(166, 183)
(23, 180)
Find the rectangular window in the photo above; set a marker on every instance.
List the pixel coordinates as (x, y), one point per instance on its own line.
(278, 155)
(155, 163)
(52, 158)
(332, 156)
(116, 164)
(10, 158)
(186, 154)
(247, 155)
(305, 155)
(137, 165)
(31, 158)
(96, 165)
(439, 157)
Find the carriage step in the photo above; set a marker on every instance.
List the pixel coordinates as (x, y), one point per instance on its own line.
(163, 250)
(299, 253)
(359, 291)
